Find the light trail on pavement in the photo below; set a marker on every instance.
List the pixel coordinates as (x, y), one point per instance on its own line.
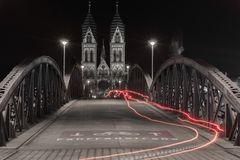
(129, 95)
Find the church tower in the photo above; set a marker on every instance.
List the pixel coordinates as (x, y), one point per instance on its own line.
(117, 49)
(89, 48)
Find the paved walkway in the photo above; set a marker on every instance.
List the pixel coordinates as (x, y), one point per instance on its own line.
(102, 127)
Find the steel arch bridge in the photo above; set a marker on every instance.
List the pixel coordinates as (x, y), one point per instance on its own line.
(36, 87)
(31, 90)
(201, 90)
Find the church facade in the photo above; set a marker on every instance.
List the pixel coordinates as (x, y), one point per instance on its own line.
(98, 76)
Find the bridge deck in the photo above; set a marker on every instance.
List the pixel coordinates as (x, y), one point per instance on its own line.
(103, 127)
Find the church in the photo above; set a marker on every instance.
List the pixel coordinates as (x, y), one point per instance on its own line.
(97, 75)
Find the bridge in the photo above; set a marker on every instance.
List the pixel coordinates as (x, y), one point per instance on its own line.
(190, 110)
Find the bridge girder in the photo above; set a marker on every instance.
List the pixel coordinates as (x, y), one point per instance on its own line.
(31, 90)
(201, 90)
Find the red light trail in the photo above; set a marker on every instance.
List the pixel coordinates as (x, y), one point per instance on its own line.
(128, 95)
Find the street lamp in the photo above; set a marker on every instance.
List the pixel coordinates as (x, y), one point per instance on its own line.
(88, 88)
(152, 43)
(128, 67)
(82, 67)
(64, 43)
(88, 82)
(120, 84)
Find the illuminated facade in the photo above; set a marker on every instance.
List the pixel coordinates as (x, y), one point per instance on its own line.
(99, 77)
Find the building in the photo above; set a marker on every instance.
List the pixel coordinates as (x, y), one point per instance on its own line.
(99, 76)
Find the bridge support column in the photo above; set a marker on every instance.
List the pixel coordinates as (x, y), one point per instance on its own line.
(185, 89)
(196, 95)
(2, 135)
(228, 121)
(237, 141)
(234, 132)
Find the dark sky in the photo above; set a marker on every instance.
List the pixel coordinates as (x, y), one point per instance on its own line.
(211, 29)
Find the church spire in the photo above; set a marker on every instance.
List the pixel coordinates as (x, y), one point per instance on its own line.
(117, 22)
(89, 6)
(89, 23)
(103, 51)
(117, 6)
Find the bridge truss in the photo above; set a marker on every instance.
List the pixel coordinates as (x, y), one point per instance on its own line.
(31, 90)
(36, 87)
(201, 90)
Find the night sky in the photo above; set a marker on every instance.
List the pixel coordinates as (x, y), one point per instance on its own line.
(211, 30)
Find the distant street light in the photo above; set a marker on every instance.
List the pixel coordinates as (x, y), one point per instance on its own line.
(82, 67)
(88, 88)
(64, 43)
(152, 43)
(88, 82)
(128, 67)
(120, 84)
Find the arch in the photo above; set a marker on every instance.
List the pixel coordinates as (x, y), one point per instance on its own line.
(33, 88)
(75, 86)
(201, 90)
(138, 80)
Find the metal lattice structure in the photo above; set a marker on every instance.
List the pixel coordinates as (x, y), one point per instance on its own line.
(138, 80)
(36, 87)
(31, 90)
(75, 85)
(201, 90)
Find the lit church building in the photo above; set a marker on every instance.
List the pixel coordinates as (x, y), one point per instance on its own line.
(99, 77)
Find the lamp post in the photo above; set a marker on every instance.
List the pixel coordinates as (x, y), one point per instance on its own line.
(152, 43)
(82, 67)
(88, 88)
(64, 43)
(128, 67)
(120, 84)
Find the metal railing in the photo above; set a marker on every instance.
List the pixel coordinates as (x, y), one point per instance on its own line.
(31, 90)
(201, 90)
